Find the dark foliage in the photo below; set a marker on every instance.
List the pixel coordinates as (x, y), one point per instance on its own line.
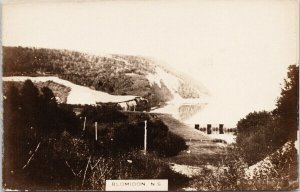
(30, 119)
(257, 130)
(123, 132)
(60, 91)
(288, 105)
(45, 147)
(267, 131)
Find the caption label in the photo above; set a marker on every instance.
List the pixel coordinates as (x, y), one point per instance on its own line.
(137, 185)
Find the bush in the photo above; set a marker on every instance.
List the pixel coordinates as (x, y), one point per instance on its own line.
(256, 130)
(228, 176)
(119, 131)
(270, 130)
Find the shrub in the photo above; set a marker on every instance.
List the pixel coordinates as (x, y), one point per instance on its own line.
(123, 132)
(229, 176)
(257, 130)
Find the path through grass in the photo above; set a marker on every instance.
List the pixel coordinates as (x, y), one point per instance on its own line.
(202, 150)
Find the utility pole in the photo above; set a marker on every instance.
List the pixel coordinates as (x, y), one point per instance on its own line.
(145, 138)
(96, 138)
(84, 123)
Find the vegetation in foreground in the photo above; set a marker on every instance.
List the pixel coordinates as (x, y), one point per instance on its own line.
(265, 140)
(268, 131)
(45, 147)
(278, 173)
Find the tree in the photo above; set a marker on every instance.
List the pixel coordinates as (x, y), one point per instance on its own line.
(270, 130)
(48, 96)
(256, 131)
(12, 98)
(288, 105)
(253, 121)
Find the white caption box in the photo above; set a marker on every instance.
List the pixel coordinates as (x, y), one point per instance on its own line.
(137, 185)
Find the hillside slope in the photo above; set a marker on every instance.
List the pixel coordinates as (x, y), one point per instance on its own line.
(181, 129)
(76, 94)
(113, 74)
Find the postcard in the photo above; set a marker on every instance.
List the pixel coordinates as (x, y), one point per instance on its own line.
(150, 95)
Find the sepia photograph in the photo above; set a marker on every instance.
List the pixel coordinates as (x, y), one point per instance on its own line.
(150, 95)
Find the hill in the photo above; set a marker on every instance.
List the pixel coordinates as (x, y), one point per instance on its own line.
(113, 74)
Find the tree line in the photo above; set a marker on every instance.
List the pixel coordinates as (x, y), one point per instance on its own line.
(269, 130)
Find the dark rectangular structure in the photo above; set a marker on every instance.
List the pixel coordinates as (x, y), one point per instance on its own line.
(221, 128)
(208, 128)
(197, 126)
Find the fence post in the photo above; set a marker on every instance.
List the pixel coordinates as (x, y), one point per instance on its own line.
(96, 136)
(84, 123)
(145, 138)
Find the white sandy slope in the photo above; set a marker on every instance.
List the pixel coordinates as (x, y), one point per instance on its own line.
(78, 94)
(172, 83)
(265, 166)
(266, 163)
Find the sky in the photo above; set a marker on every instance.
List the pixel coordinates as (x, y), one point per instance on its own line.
(238, 49)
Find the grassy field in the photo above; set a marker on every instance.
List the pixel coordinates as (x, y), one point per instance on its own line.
(202, 150)
(181, 129)
(200, 153)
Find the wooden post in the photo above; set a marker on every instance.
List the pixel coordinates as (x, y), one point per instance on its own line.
(84, 123)
(221, 128)
(145, 138)
(208, 129)
(96, 136)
